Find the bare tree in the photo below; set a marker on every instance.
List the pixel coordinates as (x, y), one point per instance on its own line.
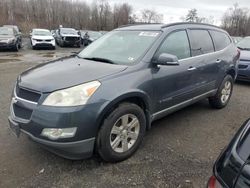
(236, 21)
(151, 16)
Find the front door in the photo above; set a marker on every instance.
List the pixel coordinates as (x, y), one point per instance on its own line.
(175, 84)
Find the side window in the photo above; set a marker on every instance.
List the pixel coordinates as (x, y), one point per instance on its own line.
(221, 40)
(201, 42)
(176, 44)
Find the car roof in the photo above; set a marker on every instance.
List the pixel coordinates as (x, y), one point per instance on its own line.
(159, 27)
(7, 27)
(67, 28)
(37, 29)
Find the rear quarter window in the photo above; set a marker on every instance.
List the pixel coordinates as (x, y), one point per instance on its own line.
(221, 40)
(201, 42)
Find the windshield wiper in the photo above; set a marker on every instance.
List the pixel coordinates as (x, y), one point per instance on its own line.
(104, 60)
(248, 49)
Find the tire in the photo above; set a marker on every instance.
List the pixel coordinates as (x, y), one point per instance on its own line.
(224, 93)
(33, 48)
(53, 48)
(128, 113)
(16, 48)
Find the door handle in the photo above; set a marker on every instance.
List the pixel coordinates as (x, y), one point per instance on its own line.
(192, 68)
(218, 61)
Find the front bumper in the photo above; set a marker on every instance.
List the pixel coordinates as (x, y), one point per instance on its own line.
(244, 71)
(43, 44)
(7, 45)
(71, 43)
(31, 118)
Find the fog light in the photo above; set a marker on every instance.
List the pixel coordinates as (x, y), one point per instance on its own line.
(54, 133)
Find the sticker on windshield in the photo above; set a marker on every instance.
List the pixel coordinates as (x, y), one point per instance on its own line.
(131, 59)
(149, 34)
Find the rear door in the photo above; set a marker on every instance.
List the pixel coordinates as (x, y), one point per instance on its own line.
(205, 58)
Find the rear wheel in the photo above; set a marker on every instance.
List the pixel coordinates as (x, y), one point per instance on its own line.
(224, 93)
(121, 133)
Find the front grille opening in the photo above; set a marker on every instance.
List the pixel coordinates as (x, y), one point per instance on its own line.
(27, 94)
(21, 112)
(242, 66)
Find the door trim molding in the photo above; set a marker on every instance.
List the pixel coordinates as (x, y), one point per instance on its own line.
(176, 107)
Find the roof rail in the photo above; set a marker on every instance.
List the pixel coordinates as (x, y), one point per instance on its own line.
(194, 23)
(138, 24)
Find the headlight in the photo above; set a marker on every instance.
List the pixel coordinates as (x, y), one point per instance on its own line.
(74, 96)
(55, 133)
(11, 40)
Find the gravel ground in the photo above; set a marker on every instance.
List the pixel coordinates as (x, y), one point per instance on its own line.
(179, 150)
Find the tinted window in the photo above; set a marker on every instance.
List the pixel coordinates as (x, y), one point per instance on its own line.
(221, 40)
(201, 42)
(176, 44)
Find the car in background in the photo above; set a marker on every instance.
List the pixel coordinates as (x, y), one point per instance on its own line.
(17, 29)
(104, 98)
(10, 39)
(103, 32)
(232, 168)
(244, 63)
(68, 37)
(53, 32)
(42, 38)
(236, 39)
(90, 36)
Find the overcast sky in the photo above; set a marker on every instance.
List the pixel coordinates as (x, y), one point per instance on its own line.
(174, 9)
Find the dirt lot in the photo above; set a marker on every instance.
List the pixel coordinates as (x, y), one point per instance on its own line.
(179, 151)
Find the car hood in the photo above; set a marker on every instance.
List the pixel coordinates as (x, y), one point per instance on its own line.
(69, 35)
(64, 73)
(244, 55)
(5, 37)
(42, 37)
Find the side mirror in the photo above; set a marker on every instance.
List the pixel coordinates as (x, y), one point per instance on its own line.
(166, 59)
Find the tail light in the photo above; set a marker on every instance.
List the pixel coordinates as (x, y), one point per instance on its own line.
(213, 183)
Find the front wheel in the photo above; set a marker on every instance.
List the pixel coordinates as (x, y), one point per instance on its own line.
(121, 133)
(16, 47)
(224, 93)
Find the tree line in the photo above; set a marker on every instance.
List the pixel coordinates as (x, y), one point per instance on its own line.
(101, 15)
(236, 20)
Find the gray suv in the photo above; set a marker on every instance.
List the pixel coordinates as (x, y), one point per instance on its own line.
(105, 98)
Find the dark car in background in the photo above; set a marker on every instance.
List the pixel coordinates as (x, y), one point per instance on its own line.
(244, 64)
(10, 39)
(17, 29)
(90, 36)
(68, 37)
(232, 168)
(104, 99)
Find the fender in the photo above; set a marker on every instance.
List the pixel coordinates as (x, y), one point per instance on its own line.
(110, 105)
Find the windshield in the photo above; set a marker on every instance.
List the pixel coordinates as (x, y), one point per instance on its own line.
(42, 33)
(94, 35)
(6, 31)
(244, 44)
(120, 47)
(68, 31)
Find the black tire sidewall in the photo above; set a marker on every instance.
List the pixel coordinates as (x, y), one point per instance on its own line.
(103, 141)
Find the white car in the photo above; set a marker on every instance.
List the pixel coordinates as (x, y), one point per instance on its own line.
(42, 38)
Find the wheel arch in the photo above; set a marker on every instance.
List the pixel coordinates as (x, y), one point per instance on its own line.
(139, 98)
